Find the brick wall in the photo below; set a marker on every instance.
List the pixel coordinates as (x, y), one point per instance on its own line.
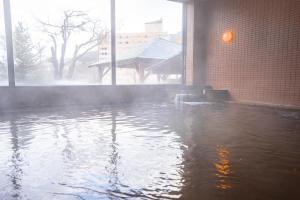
(262, 64)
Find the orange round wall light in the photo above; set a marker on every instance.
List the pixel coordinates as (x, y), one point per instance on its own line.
(227, 37)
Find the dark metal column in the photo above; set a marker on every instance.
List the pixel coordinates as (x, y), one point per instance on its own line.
(113, 42)
(9, 43)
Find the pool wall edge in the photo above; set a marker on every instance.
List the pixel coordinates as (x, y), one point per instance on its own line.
(263, 104)
(12, 98)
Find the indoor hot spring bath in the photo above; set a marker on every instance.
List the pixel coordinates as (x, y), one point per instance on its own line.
(150, 151)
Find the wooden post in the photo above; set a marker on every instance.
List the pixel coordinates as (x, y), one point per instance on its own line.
(158, 77)
(100, 74)
(141, 73)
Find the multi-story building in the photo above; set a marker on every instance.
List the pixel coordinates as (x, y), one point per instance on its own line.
(125, 41)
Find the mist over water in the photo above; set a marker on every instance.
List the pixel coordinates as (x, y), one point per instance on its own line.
(150, 151)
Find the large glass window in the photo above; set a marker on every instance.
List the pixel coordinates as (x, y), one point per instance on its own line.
(3, 55)
(67, 42)
(149, 42)
(61, 42)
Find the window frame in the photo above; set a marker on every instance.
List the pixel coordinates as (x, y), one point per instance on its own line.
(10, 54)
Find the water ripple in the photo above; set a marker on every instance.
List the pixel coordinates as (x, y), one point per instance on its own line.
(150, 152)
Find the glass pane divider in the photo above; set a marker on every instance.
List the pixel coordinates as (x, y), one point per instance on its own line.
(113, 42)
(9, 43)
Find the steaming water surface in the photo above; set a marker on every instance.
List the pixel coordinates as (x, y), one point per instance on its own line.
(151, 152)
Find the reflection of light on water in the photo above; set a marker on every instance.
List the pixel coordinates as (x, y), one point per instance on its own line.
(223, 168)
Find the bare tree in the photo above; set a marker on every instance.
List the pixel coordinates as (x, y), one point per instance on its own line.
(97, 36)
(73, 21)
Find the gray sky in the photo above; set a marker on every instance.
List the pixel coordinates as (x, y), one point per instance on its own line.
(131, 14)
